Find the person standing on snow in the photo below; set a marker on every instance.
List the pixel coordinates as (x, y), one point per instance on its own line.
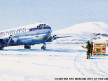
(88, 47)
(91, 48)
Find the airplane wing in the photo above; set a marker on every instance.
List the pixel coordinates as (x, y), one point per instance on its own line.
(56, 37)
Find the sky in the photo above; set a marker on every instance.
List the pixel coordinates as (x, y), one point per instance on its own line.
(58, 14)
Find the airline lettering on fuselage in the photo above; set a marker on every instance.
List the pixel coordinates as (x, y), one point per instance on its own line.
(13, 32)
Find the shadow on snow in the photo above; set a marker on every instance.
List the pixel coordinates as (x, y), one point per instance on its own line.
(47, 50)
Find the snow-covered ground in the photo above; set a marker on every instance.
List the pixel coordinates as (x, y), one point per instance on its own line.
(58, 61)
(63, 59)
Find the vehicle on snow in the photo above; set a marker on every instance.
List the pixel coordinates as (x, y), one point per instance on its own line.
(99, 48)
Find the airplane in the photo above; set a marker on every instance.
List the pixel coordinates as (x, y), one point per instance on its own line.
(27, 35)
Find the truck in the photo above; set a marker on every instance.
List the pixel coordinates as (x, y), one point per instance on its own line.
(99, 48)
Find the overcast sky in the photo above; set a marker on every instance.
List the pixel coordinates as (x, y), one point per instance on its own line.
(57, 13)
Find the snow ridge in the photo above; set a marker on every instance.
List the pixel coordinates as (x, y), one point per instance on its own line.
(87, 27)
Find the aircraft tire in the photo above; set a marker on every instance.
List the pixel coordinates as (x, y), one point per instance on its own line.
(27, 47)
(1, 46)
(43, 48)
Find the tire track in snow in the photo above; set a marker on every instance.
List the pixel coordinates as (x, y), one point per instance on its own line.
(93, 70)
(76, 66)
(86, 71)
(99, 70)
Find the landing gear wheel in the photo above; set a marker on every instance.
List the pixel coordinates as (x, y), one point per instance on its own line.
(1, 46)
(43, 47)
(27, 47)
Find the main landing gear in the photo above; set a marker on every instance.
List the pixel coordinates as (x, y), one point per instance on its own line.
(43, 47)
(27, 47)
(2, 44)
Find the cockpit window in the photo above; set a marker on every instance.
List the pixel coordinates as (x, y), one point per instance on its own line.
(43, 26)
(38, 26)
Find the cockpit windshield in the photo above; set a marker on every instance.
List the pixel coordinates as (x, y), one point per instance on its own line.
(40, 26)
(43, 26)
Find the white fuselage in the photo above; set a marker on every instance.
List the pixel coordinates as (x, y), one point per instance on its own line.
(30, 34)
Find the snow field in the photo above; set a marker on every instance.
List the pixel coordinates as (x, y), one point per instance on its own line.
(59, 60)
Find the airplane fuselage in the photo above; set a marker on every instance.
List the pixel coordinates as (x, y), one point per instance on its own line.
(27, 35)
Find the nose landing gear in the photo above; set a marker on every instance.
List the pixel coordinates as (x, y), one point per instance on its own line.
(43, 47)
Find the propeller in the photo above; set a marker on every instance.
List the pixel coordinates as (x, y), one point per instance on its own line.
(10, 38)
(56, 37)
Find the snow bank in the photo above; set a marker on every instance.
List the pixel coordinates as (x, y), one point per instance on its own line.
(88, 27)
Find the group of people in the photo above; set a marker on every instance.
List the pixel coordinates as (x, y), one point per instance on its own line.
(89, 48)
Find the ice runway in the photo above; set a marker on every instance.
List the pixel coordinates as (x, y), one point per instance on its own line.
(58, 61)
